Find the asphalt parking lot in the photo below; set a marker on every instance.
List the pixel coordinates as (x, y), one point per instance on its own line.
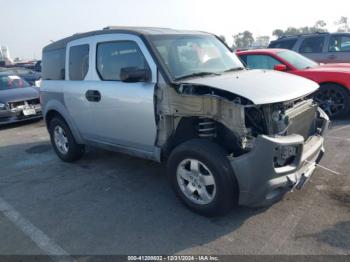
(108, 203)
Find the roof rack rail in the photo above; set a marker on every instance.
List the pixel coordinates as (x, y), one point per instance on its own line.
(305, 34)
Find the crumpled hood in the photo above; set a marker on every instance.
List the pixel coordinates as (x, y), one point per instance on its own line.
(260, 86)
(18, 94)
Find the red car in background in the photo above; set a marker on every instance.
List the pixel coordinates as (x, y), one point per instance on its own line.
(334, 79)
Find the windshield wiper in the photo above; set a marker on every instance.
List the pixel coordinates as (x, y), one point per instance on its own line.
(235, 69)
(196, 74)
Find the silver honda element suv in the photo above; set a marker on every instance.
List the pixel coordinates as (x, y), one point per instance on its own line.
(229, 135)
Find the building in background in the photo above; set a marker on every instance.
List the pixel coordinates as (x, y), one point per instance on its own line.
(5, 57)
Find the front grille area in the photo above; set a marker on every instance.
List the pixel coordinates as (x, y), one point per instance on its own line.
(13, 105)
(304, 121)
(35, 101)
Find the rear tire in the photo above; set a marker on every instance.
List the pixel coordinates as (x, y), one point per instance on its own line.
(334, 99)
(202, 177)
(63, 141)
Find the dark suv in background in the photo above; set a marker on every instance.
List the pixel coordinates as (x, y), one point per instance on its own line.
(320, 47)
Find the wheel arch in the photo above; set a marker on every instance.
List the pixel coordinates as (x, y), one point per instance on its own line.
(187, 129)
(56, 109)
(335, 83)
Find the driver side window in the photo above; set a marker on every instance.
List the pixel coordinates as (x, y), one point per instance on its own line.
(113, 56)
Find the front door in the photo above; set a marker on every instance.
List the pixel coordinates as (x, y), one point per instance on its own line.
(124, 113)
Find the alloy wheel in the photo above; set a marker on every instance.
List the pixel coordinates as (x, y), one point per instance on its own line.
(331, 101)
(196, 181)
(61, 140)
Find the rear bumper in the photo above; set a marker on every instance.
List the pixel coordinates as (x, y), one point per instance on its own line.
(261, 183)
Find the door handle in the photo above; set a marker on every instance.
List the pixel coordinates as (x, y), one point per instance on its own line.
(93, 96)
(331, 56)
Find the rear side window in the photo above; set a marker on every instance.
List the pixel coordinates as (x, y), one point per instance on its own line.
(113, 56)
(78, 62)
(339, 43)
(260, 61)
(53, 64)
(285, 44)
(312, 45)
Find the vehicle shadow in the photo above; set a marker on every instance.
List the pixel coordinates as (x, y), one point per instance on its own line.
(106, 203)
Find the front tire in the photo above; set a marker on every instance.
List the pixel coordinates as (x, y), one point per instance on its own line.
(202, 177)
(63, 141)
(333, 99)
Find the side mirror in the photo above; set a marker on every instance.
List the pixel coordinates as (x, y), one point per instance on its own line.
(280, 67)
(134, 74)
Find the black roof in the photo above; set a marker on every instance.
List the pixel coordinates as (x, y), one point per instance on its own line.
(308, 34)
(299, 35)
(119, 29)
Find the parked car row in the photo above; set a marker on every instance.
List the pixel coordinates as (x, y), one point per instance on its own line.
(32, 65)
(19, 100)
(29, 75)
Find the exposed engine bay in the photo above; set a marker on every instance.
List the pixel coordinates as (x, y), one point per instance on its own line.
(233, 121)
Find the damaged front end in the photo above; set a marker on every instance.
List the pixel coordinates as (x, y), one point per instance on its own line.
(301, 116)
(195, 111)
(286, 143)
(272, 148)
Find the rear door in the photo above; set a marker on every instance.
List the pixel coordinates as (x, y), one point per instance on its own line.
(78, 66)
(338, 49)
(314, 48)
(124, 115)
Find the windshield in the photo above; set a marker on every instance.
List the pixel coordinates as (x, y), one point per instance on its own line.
(296, 60)
(190, 55)
(10, 82)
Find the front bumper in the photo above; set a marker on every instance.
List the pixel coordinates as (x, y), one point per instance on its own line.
(9, 116)
(261, 183)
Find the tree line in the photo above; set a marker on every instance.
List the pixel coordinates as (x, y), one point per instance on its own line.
(246, 38)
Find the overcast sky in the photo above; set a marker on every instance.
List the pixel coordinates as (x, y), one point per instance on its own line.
(27, 26)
